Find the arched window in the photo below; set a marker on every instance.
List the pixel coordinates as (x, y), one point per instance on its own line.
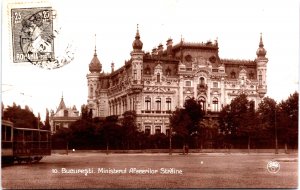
(202, 103)
(202, 82)
(215, 104)
(233, 75)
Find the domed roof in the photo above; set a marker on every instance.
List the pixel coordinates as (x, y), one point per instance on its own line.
(95, 65)
(137, 43)
(261, 52)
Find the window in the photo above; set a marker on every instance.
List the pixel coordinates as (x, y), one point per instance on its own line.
(157, 129)
(147, 130)
(188, 83)
(91, 92)
(202, 82)
(148, 103)
(158, 77)
(168, 101)
(147, 70)
(65, 113)
(215, 105)
(252, 105)
(158, 104)
(232, 74)
(215, 84)
(167, 132)
(251, 75)
(168, 71)
(134, 74)
(202, 103)
(260, 78)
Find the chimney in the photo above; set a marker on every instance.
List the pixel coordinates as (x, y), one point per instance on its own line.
(112, 67)
(154, 51)
(160, 49)
(169, 47)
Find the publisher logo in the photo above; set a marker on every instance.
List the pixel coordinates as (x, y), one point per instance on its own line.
(273, 166)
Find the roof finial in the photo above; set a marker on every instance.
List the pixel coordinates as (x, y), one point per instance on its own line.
(95, 45)
(137, 36)
(261, 44)
(62, 95)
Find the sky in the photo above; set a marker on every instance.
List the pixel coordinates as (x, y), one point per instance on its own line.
(236, 24)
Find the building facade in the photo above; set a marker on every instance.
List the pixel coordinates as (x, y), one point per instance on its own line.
(154, 84)
(63, 116)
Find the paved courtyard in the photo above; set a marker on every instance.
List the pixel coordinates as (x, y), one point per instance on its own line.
(97, 170)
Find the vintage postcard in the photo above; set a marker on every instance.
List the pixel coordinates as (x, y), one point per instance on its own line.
(172, 94)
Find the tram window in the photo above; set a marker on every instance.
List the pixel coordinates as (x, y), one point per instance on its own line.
(8, 134)
(3, 132)
(28, 135)
(43, 136)
(35, 136)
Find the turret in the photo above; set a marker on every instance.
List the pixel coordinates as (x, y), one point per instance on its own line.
(137, 59)
(95, 68)
(261, 62)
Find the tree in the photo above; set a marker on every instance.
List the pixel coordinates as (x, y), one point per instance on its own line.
(288, 120)
(47, 121)
(109, 130)
(84, 112)
(238, 118)
(266, 116)
(129, 126)
(185, 121)
(23, 118)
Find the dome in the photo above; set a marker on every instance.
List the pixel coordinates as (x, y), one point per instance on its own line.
(95, 65)
(137, 43)
(261, 52)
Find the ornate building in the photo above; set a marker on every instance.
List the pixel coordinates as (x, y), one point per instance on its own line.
(154, 84)
(63, 116)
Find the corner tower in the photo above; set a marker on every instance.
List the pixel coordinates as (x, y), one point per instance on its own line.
(95, 68)
(261, 62)
(137, 59)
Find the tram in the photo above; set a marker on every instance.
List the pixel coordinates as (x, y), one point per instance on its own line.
(23, 144)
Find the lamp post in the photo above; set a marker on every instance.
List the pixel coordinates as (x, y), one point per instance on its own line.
(276, 141)
(170, 141)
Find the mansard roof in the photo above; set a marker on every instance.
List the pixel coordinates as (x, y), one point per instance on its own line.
(238, 62)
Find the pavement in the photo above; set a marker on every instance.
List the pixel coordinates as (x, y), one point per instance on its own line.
(159, 170)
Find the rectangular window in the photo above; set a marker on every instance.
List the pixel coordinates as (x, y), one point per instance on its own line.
(188, 83)
(148, 104)
(260, 79)
(147, 130)
(167, 132)
(168, 101)
(158, 104)
(215, 84)
(134, 75)
(157, 129)
(158, 77)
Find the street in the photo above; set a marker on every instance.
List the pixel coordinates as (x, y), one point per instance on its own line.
(198, 170)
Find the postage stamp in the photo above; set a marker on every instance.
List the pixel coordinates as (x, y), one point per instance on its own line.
(35, 36)
(32, 34)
